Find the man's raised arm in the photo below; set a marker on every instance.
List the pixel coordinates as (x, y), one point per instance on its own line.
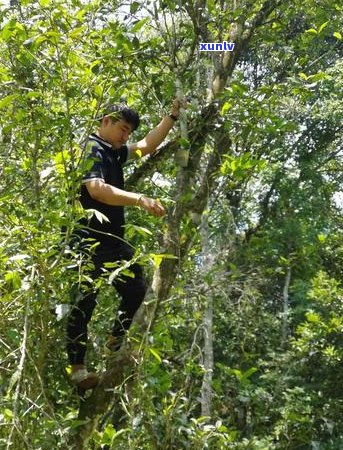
(156, 136)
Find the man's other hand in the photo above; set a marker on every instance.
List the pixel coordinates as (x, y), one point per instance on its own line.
(152, 206)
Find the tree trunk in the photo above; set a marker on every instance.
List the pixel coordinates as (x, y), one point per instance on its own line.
(206, 389)
(286, 306)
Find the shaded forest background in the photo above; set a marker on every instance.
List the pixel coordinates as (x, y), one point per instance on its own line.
(239, 345)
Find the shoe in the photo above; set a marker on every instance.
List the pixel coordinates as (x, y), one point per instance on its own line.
(84, 380)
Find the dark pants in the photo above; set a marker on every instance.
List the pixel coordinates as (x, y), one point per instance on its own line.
(131, 290)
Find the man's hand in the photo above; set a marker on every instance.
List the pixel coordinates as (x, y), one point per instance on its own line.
(178, 104)
(156, 136)
(152, 206)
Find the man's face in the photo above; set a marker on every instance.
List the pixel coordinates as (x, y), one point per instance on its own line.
(116, 133)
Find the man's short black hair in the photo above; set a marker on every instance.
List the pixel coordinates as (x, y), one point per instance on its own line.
(121, 111)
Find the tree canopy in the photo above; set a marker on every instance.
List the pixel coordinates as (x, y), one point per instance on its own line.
(239, 343)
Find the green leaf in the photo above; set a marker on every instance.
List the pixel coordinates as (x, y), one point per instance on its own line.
(127, 273)
(53, 36)
(155, 353)
(61, 159)
(318, 76)
(77, 423)
(158, 258)
(13, 335)
(7, 100)
(95, 66)
(141, 230)
(225, 108)
(337, 35)
(313, 317)
(236, 372)
(324, 25)
(44, 3)
(35, 40)
(134, 7)
(248, 373)
(184, 143)
(311, 31)
(303, 76)
(135, 42)
(108, 435)
(12, 29)
(12, 278)
(8, 414)
(6, 32)
(98, 90)
(138, 25)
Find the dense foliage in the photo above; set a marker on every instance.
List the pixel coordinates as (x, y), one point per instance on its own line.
(245, 349)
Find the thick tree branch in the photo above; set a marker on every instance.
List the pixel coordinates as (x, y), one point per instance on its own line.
(241, 36)
(222, 146)
(151, 163)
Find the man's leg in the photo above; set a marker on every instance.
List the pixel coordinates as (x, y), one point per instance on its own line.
(78, 319)
(132, 292)
(77, 337)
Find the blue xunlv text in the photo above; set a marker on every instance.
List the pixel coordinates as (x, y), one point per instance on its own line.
(216, 46)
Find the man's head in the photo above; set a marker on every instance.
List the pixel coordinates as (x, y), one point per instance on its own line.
(117, 123)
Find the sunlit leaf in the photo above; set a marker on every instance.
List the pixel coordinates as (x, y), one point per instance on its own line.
(155, 353)
(324, 25)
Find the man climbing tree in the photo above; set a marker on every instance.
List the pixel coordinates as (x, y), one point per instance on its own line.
(103, 190)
